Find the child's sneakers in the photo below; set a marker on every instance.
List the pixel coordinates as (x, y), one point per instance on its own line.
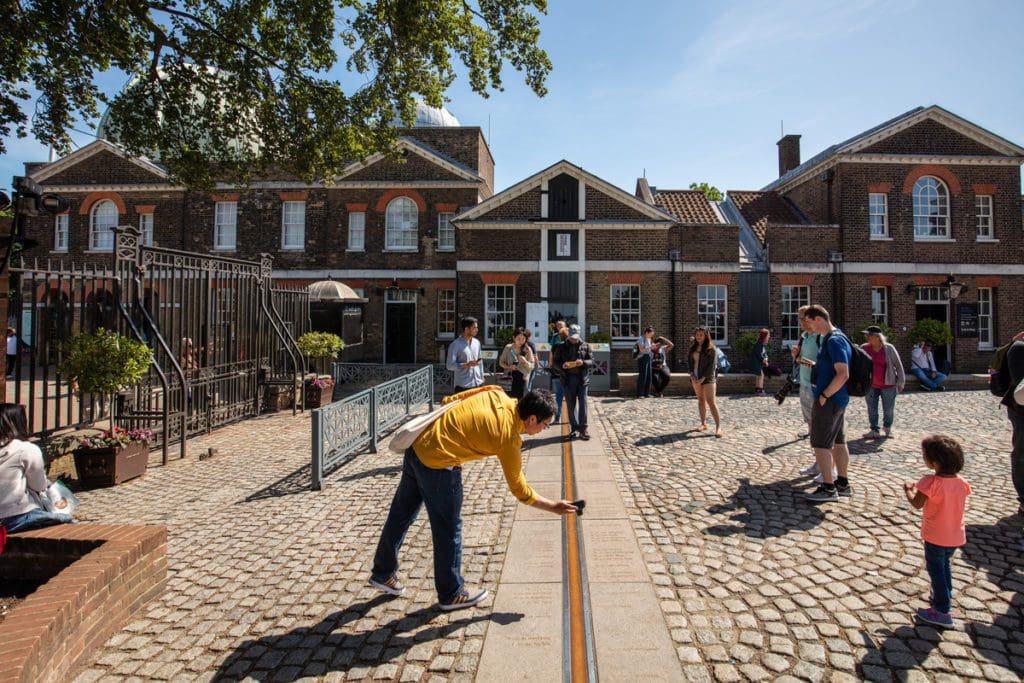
(935, 618)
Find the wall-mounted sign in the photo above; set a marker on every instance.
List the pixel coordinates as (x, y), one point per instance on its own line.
(563, 244)
(967, 320)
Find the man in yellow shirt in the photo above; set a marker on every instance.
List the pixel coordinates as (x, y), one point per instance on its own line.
(487, 422)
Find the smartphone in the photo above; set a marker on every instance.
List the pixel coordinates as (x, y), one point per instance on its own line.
(580, 504)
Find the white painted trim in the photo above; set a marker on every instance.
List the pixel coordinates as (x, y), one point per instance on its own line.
(822, 268)
(944, 159)
(404, 143)
(690, 267)
(931, 268)
(565, 225)
(119, 189)
(581, 302)
(590, 267)
(89, 150)
(348, 185)
(341, 274)
(875, 238)
(544, 198)
(946, 118)
(543, 264)
(583, 201)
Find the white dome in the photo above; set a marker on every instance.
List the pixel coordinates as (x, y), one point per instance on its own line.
(429, 117)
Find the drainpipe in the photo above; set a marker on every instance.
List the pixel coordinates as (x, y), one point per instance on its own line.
(673, 258)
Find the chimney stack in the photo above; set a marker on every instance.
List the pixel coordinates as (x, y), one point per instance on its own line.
(789, 153)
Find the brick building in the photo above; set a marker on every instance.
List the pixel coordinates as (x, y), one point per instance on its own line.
(871, 227)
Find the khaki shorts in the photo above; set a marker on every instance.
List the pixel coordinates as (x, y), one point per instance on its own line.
(828, 424)
(806, 400)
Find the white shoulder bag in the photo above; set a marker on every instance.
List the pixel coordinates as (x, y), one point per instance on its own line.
(1018, 393)
(410, 431)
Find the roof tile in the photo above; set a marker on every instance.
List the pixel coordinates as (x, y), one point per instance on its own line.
(688, 206)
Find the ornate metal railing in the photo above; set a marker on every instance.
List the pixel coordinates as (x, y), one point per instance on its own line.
(353, 377)
(346, 427)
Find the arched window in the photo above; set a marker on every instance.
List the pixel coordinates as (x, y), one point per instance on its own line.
(401, 223)
(931, 209)
(102, 220)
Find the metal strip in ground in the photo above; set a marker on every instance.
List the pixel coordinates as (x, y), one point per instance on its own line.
(579, 660)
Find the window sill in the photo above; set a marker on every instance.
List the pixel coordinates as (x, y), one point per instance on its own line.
(99, 251)
(940, 240)
(986, 348)
(987, 240)
(446, 250)
(880, 238)
(225, 250)
(292, 249)
(400, 251)
(355, 251)
(58, 251)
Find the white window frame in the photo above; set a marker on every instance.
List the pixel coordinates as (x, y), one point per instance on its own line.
(446, 312)
(225, 225)
(712, 307)
(983, 212)
(627, 313)
(293, 225)
(495, 316)
(445, 231)
(880, 305)
(357, 231)
(101, 225)
(401, 225)
(986, 331)
(60, 231)
(878, 208)
(146, 228)
(793, 297)
(931, 209)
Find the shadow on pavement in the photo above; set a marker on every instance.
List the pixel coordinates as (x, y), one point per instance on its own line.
(767, 510)
(327, 647)
(296, 482)
(902, 651)
(768, 450)
(998, 549)
(663, 439)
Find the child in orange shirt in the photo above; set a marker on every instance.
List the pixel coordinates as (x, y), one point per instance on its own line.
(943, 496)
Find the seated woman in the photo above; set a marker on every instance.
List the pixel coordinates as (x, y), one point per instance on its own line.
(922, 364)
(21, 473)
(661, 374)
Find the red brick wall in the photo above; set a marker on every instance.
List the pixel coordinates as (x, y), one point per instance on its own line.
(714, 243)
(525, 206)
(928, 137)
(600, 206)
(104, 168)
(630, 245)
(500, 245)
(410, 167)
(801, 244)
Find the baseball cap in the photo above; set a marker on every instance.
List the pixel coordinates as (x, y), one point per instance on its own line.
(872, 329)
(574, 331)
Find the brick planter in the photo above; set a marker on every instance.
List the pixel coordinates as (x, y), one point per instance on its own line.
(102, 574)
(110, 466)
(318, 396)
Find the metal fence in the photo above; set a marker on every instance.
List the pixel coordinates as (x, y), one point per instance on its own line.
(350, 378)
(215, 327)
(346, 427)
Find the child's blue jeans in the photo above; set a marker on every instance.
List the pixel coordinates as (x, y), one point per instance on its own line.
(936, 560)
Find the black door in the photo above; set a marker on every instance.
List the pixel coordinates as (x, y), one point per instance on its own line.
(564, 198)
(938, 312)
(400, 333)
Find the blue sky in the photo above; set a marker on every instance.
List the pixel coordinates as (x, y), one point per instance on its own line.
(696, 91)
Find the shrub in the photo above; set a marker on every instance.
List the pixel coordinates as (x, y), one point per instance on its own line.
(857, 335)
(320, 345)
(599, 338)
(745, 344)
(935, 332)
(104, 362)
(503, 336)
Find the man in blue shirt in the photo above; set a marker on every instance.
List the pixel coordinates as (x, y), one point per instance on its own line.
(464, 357)
(828, 412)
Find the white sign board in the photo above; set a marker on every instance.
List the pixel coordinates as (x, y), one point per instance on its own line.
(537, 321)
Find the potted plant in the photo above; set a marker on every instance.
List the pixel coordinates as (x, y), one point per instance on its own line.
(112, 457)
(319, 347)
(935, 332)
(103, 363)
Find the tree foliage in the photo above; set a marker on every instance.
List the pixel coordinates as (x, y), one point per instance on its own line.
(104, 362)
(935, 332)
(225, 90)
(710, 191)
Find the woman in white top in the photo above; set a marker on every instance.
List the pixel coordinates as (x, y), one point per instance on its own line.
(644, 357)
(22, 473)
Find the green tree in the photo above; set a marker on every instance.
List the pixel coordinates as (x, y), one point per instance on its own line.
(710, 191)
(226, 90)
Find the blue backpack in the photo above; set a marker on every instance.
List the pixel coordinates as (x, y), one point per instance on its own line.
(723, 362)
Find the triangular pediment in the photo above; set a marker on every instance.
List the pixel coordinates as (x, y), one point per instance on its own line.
(80, 167)
(421, 162)
(524, 199)
(937, 132)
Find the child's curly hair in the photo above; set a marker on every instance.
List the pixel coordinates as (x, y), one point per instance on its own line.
(945, 452)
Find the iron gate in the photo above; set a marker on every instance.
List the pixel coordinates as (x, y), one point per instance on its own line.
(219, 331)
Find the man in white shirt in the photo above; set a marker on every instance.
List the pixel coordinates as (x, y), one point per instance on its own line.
(922, 364)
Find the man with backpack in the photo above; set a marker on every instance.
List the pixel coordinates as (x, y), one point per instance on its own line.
(1011, 372)
(828, 412)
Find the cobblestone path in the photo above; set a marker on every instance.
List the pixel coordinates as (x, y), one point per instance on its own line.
(757, 584)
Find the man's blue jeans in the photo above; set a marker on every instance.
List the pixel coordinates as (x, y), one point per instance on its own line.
(576, 386)
(888, 397)
(441, 492)
(936, 561)
(556, 383)
(33, 519)
(643, 377)
(927, 381)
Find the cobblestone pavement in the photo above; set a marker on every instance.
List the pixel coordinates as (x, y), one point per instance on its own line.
(757, 584)
(267, 579)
